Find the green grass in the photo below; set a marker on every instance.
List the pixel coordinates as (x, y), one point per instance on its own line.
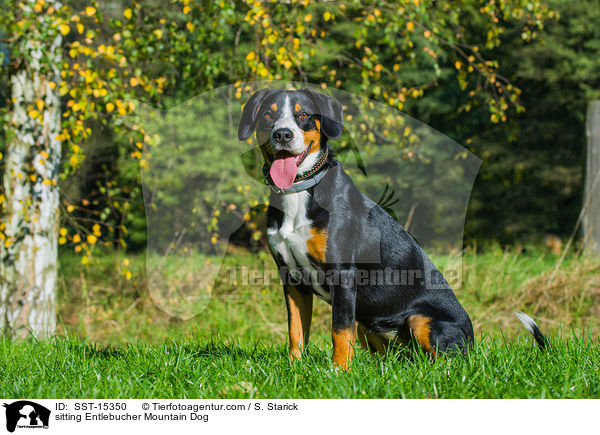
(221, 369)
(99, 304)
(115, 342)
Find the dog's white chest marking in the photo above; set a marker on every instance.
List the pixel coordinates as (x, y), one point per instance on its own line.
(290, 240)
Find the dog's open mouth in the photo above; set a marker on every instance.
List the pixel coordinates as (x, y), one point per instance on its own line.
(285, 167)
(286, 154)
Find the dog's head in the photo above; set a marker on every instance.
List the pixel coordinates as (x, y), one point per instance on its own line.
(292, 128)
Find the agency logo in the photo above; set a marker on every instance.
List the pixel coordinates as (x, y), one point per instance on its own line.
(25, 414)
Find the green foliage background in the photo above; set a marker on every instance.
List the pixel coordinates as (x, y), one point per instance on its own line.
(533, 166)
(463, 67)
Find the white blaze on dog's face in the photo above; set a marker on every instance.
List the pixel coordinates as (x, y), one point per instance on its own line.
(287, 120)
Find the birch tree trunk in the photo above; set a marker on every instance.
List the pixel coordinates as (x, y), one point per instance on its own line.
(28, 266)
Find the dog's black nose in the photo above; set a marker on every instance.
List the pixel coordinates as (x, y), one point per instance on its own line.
(283, 136)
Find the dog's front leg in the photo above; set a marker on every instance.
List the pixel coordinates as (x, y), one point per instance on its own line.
(343, 330)
(299, 308)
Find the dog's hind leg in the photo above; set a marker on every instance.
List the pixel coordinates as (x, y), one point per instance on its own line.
(382, 343)
(437, 337)
(374, 343)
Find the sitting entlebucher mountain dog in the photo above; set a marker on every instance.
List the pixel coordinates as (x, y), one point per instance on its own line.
(317, 220)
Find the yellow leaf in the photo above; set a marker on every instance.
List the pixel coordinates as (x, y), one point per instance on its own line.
(186, 9)
(62, 240)
(40, 104)
(51, 85)
(90, 11)
(73, 160)
(458, 64)
(33, 113)
(250, 56)
(64, 29)
(63, 232)
(410, 26)
(308, 18)
(77, 248)
(85, 260)
(127, 13)
(133, 81)
(110, 107)
(126, 261)
(76, 238)
(91, 239)
(96, 228)
(158, 33)
(327, 16)
(70, 208)
(190, 26)
(80, 28)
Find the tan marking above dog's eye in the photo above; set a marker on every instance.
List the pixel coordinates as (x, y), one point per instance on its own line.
(297, 107)
(274, 107)
(303, 115)
(267, 114)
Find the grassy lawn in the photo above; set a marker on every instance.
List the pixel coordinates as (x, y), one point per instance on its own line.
(115, 342)
(204, 369)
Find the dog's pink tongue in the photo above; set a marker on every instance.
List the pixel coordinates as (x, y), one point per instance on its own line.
(283, 171)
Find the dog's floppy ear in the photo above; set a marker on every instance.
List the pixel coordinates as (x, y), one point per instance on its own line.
(248, 121)
(330, 111)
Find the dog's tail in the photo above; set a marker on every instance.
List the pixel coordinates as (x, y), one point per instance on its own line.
(531, 326)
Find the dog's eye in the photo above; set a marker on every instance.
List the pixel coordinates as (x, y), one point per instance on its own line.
(303, 115)
(267, 114)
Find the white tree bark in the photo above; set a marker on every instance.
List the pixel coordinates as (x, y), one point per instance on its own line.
(28, 266)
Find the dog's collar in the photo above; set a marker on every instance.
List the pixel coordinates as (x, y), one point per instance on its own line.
(305, 181)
